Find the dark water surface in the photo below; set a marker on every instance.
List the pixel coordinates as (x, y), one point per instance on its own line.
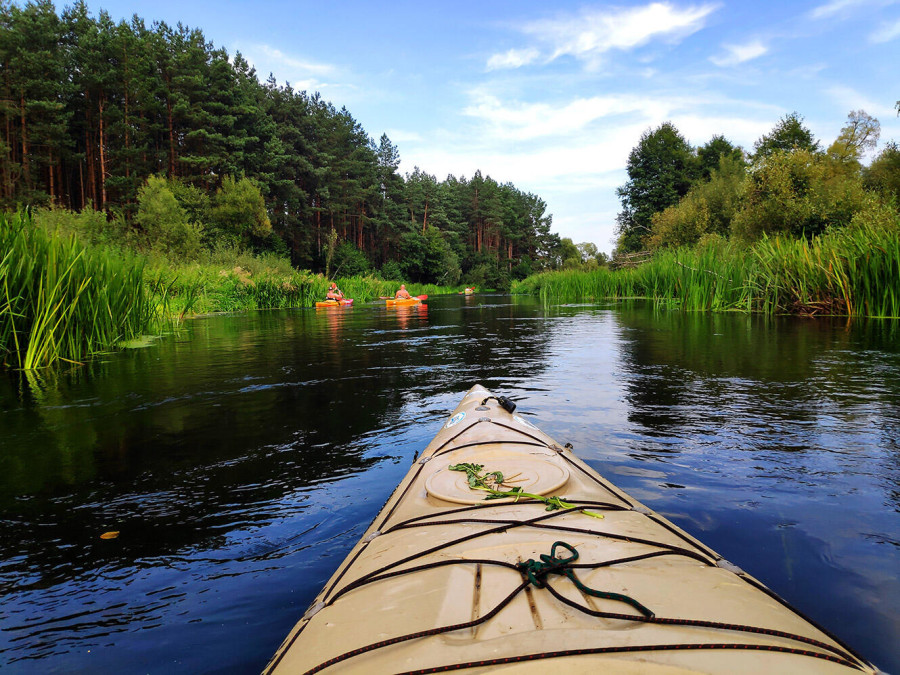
(241, 460)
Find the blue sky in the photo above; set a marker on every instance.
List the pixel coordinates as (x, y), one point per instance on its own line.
(552, 96)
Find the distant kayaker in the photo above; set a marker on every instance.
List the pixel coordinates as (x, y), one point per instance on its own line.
(334, 293)
(403, 294)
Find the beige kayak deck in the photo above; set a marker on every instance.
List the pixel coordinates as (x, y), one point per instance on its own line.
(441, 581)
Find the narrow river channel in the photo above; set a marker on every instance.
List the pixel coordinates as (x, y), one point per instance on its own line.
(241, 459)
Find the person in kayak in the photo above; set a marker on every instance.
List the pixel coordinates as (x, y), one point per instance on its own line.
(403, 294)
(334, 293)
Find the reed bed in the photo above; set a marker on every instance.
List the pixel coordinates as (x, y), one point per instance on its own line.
(698, 280)
(853, 271)
(60, 301)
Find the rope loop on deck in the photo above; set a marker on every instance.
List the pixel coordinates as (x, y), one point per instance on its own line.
(536, 572)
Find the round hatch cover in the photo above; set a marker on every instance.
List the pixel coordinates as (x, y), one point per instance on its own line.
(533, 474)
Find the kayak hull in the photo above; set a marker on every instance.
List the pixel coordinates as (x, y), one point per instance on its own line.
(346, 302)
(400, 302)
(433, 584)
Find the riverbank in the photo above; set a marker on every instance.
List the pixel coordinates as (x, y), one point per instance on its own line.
(247, 282)
(854, 271)
(64, 300)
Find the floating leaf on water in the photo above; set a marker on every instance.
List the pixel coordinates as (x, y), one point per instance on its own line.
(110, 535)
(138, 342)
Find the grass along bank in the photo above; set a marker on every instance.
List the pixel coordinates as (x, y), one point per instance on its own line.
(246, 282)
(853, 271)
(61, 300)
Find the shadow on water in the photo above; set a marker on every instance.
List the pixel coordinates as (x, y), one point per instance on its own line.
(242, 459)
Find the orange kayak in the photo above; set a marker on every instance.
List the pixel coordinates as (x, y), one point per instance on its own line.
(346, 302)
(396, 302)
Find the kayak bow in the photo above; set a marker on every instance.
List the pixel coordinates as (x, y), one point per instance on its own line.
(486, 558)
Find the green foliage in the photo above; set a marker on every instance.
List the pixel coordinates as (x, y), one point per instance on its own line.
(846, 271)
(492, 482)
(164, 222)
(238, 211)
(391, 271)
(349, 260)
(788, 135)
(93, 109)
(708, 208)
(883, 174)
(195, 202)
(858, 136)
(660, 171)
(795, 193)
(709, 156)
(428, 258)
(60, 301)
(90, 227)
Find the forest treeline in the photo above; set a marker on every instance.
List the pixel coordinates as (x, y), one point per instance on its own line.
(181, 146)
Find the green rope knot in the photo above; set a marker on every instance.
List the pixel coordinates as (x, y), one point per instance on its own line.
(536, 572)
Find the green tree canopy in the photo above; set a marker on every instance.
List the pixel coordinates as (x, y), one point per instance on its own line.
(858, 136)
(794, 192)
(165, 223)
(709, 154)
(883, 174)
(787, 135)
(660, 171)
(239, 211)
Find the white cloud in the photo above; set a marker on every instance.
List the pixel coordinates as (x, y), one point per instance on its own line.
(850, 99)
(295, 64)
(834, 7)
(303, 75)
(514, 58)
(886, 33)
(528, 121)
(843, 7)
(737, 54)
(595, 32)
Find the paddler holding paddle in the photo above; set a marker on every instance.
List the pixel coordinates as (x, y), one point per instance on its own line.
(334, 293)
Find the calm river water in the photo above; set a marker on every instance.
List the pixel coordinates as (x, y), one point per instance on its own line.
(242, 459)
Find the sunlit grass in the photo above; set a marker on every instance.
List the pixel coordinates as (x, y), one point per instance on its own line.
(853, 271)
(60, 301)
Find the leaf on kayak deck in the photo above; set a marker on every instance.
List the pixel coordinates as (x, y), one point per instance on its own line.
(110, 535)
(479, 481)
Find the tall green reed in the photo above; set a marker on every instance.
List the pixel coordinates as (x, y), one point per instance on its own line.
(852, 271)
(61, 301)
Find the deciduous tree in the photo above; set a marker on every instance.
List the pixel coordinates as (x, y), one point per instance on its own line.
(660, 171)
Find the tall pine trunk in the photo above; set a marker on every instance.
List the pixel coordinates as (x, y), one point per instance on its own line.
(26, 164)
(171, 138)
(102, 159)
(50, 169)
